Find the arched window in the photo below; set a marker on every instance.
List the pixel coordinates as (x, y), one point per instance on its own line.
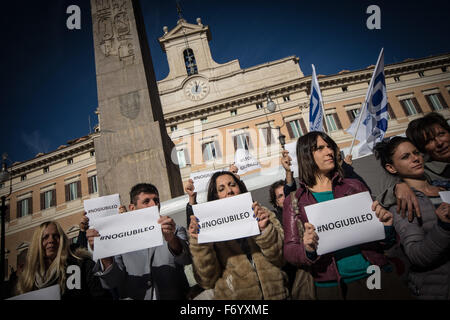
(189, 61)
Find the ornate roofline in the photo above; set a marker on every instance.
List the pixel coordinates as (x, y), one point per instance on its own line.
(325, 82)
(53, 156)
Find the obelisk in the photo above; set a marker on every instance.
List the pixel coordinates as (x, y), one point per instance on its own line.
(133, 146)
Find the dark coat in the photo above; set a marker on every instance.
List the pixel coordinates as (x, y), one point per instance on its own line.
(324, 267)
(91, 288)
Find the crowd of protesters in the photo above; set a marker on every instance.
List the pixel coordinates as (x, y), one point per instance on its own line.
(281, 262)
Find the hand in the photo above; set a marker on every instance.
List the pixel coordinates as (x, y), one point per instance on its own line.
(122, 209)
(168, 227)
(382, 214)
(189, 188)
(406, 198)
(310, 238)
(286, 160)
(261, 215)
(84, 224)
(443, 212)
(234, 169)
(348, 159)
(90, 235)
(194, 228)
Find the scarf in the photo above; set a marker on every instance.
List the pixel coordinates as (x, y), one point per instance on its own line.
(49, 278)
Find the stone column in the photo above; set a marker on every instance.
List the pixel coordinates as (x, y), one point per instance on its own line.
(133, 145)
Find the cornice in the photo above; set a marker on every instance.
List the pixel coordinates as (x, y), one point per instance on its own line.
(53, 156)
(325, 82)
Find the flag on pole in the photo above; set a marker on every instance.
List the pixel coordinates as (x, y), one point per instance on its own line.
(315, 105)
(371, 123)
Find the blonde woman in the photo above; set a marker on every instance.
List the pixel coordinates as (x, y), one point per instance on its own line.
(49, 257)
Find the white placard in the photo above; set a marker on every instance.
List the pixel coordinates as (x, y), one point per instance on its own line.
(127, 232)
(49, 293)
(445, 196)
(101, 207)
(345, 222)
(201, 179)
(245, 162)
(292, 148)
(226, 219)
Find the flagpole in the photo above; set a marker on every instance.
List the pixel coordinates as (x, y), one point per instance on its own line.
(366, 100)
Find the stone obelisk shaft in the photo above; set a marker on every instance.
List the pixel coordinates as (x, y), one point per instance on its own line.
(133, 146)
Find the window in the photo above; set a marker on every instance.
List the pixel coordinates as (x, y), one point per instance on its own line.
(204, 120)
(241, 141)
(421, 74)
(73, 191)
(2, 185)
(353, 113)
(233, 113)
(391, 114)
(22, 259)
(410, 106)
(333, 122)
(7, 214)
(46, 169)
(92, 153)
(344, 89)
(173, 128)
(92, 184)
(259, 106)
(444, 69)
(296, 128)
(286, 98)
(70, 161)
(267, 134)
(23, 177)
(24, 207)
(209, 151)
(48, 199)
(397, 79)
(436, 101)
(189, 61)
(182, 158)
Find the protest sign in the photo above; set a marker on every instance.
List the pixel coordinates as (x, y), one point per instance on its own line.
(245, 162)
(49, 293)
(445, 196)
(292, 148)
(226, 219)
(127, 232)
(345, 222)
(201, 179)
(101, 207)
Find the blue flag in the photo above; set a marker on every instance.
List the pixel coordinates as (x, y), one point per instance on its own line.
(315, 105)
(374, 113)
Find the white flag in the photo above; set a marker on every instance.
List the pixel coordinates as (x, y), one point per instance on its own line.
(244, 161)
(315, 105)
(374, 113)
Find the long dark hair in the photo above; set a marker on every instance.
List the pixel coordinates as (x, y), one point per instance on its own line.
(212, 187)
(307, 167)
(385, 149)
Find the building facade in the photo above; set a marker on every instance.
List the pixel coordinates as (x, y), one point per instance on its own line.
(212, 109)
(51, 186)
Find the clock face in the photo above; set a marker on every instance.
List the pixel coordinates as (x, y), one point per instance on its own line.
(196, 89)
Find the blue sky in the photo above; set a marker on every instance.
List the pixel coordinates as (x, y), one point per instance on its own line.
(48, 84)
